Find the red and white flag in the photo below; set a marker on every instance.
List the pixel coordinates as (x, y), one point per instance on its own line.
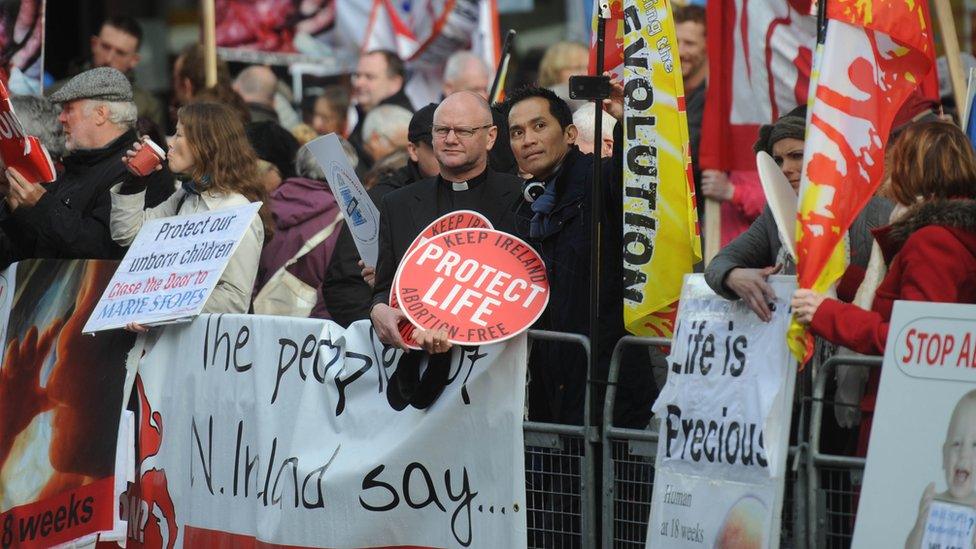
(613, 49)
(387, 30)
(487, 40)
(874, 56)
(425, 33)
(760, 54)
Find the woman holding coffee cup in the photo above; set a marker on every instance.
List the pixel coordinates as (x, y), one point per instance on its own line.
(217, 169)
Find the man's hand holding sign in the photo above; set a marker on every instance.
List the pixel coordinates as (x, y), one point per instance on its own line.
(435, 341)
(471, 287)
(22, 192)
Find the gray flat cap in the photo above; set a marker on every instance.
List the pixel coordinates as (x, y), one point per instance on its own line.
(102, 84)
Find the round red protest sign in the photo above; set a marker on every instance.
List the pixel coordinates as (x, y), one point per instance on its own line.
(460, 219)
(480, 285)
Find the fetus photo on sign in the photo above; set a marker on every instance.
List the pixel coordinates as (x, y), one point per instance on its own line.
(947, 518)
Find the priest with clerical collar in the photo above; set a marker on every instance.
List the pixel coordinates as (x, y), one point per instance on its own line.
(463, 133)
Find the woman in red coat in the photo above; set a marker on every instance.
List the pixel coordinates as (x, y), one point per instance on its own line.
(930, 251)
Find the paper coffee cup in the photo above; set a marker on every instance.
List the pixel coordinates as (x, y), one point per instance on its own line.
(148, 157)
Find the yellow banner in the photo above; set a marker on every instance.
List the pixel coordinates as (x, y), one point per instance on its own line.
(661, 242)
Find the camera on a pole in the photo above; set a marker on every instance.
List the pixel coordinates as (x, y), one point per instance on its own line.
(589, 88)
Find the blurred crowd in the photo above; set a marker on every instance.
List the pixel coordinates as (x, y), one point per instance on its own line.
(525, 163)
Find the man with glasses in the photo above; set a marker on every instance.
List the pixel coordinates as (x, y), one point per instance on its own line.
(463, 133)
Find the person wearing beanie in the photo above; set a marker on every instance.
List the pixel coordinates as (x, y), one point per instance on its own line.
(740, 269)
(347, 293)
(740, 192)
(69, 218)
(792, 125)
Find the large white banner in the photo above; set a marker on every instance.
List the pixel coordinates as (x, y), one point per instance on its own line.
(724, 414)
(920, 482)
(294, 432)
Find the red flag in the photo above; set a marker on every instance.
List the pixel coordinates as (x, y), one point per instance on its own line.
(759, 69)
(874, 57)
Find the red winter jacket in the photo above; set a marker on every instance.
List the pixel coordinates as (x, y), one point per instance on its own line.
(932, 257)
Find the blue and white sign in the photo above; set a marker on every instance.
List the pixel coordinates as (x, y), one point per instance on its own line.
(362, 217)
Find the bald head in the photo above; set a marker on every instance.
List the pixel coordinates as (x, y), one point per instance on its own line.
(468, 105)
(465, 71)
(256, 84)
(463, 134)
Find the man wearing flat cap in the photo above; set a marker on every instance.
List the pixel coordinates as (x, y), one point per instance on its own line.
(69, 218)
(346, 292)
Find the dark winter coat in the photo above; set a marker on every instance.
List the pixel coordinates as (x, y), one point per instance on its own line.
(71, 220)
(558, 370)
(407, 211)
(348, 295)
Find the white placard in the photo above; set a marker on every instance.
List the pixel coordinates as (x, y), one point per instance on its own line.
(781, 198)
(171, 268)
(362, 217)
(289, 432)
(920, 482)
(725, 419)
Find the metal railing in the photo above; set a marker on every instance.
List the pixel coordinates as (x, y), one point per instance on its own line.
(628, 467)
(834, 480)
(821, 489)
(628, 463)
(560, 471)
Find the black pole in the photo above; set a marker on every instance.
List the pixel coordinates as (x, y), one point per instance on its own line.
(821, 21)
(502, 68)
(596, 380)
(596, 209)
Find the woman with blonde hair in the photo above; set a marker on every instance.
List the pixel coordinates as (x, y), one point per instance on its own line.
(930, 250)
(562, 60)
(218, 169)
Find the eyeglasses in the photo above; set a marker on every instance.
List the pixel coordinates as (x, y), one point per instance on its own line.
(441, 132)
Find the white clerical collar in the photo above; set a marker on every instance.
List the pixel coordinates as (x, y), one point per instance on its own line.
(462, 186)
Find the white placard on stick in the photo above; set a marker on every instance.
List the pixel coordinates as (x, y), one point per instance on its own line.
(171, 268)
(362, 217)
(781, 198)
(725, 420)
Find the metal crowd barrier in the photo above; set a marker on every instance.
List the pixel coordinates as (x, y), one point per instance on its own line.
(835, 481)
(628, 469)
(560, 472)
(821, 490)
(628, 463)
